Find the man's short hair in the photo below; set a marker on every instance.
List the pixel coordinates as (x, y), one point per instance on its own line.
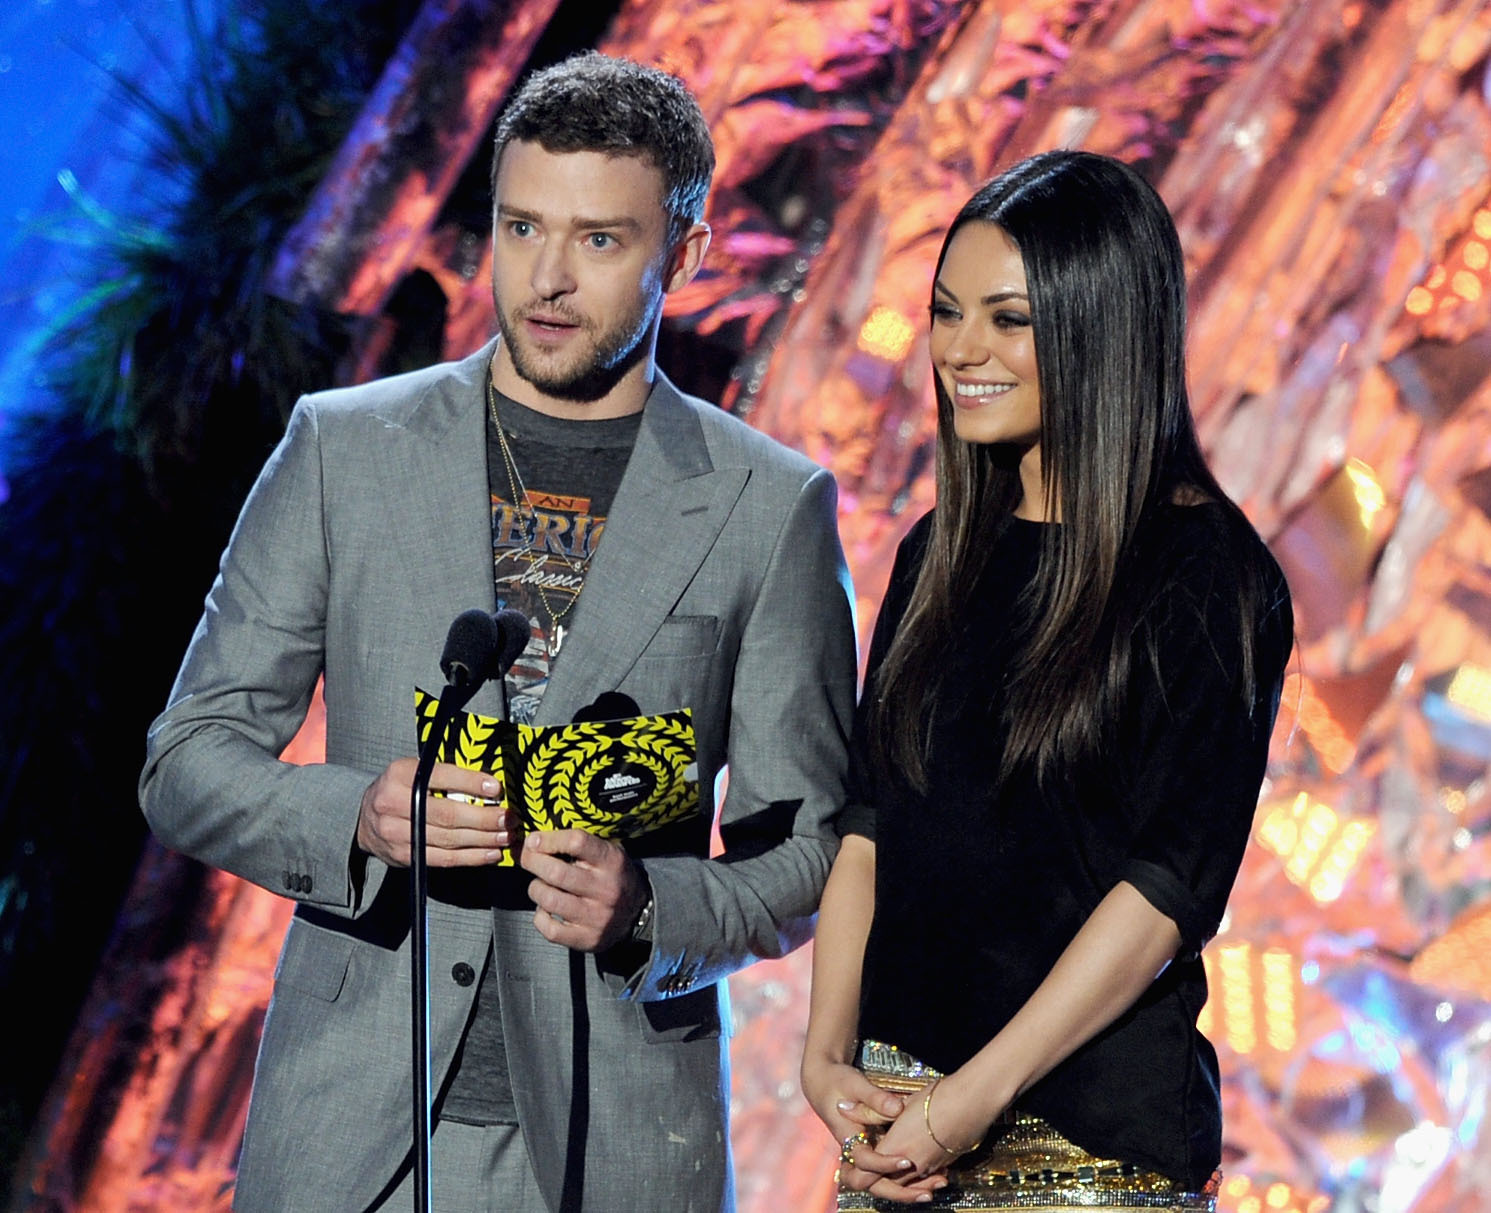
(594, 103)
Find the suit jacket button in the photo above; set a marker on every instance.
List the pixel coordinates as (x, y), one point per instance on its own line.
(462, 973)
(290, 881)
(305, 883)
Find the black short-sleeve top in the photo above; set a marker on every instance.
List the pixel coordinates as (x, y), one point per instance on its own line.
(980, 884)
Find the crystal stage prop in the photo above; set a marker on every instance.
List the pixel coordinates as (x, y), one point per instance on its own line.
(1327, 163)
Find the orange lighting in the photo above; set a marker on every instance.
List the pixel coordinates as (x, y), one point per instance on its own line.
(1240, 1024)
(1320, 725)
(1393, 116)
(1255, 996)
(1279, 1020)
(1460, 959)
(1318, 848)
(886, 334)
(1459, 279)
(1470, 691)
(1466, 285)
(1367, 490)
(1239, 1194)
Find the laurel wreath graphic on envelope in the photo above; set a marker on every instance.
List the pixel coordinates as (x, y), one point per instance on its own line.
(614, 778)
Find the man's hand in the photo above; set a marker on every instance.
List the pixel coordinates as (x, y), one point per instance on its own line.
(587, 889)
(459, 833)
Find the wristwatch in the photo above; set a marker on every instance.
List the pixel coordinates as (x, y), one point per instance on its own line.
(642, 928)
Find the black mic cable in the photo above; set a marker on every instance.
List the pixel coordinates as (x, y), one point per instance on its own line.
(472, 649)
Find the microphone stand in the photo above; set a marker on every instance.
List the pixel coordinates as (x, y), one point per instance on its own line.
(452, 699)
(480, 645)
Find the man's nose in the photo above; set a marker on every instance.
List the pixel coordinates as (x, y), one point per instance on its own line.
(552, 276)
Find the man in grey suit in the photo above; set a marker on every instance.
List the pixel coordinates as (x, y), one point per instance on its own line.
(661, 549)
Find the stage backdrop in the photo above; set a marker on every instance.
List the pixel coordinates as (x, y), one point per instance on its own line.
(1326, 161)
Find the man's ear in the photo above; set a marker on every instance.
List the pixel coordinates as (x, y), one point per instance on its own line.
(687, 257)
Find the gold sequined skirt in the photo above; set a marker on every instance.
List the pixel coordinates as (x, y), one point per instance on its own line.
(1024, 1163)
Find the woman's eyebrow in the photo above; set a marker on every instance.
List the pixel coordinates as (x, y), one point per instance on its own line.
(987, 300)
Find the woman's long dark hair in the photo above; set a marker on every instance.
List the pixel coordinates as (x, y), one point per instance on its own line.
(1106, 281)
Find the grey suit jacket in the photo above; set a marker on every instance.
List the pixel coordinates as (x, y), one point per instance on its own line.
(719, 585)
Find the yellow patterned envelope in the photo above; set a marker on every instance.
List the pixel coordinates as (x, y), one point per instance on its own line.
(614, 778)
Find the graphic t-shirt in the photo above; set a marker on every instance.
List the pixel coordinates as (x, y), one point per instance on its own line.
(551, 489)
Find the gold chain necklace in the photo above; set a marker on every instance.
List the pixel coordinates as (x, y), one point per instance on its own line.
(556, 631)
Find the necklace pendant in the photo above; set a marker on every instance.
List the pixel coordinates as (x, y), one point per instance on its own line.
(555, 640)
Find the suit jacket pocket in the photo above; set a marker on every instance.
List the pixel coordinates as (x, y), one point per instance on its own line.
(314, 961)
(685, 636)
(692, 1016)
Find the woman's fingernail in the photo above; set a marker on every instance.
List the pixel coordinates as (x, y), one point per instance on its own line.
(845, 1105)
(489, 787)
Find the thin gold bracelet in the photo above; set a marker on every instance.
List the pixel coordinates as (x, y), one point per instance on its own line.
(927, 1120)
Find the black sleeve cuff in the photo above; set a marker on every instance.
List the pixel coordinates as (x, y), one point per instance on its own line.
(856, 818)
(1170, 896)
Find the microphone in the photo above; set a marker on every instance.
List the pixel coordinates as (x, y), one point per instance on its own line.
(481, 646)
(471, 649)
(513, 631)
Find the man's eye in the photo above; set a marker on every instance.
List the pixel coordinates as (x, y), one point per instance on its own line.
(601, 240)
(520, 228)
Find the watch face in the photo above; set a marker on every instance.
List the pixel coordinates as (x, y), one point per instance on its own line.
(642, 928)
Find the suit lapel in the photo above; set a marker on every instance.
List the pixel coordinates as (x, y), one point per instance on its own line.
(669, 509)
(433, 454)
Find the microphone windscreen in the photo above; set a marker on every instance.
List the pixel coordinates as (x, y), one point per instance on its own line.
(471, 645)
(513, 631)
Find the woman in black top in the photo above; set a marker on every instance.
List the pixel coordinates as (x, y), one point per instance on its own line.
(1071, 688)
